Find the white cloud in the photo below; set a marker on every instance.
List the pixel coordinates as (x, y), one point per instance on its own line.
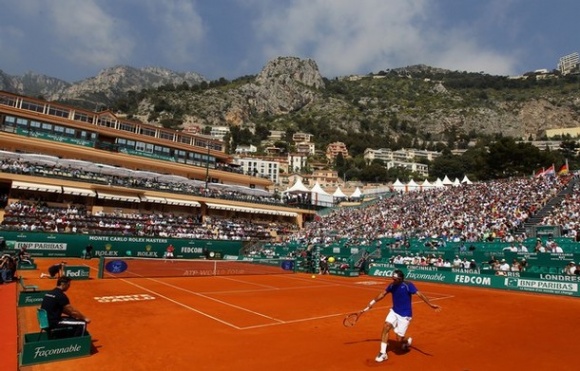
(369, 35)
(178, 29)
(10, 37)
(85, 34)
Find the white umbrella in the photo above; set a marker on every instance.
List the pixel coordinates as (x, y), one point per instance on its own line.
(75, 164)
(38, 159)
(146, 174)
(109, 170)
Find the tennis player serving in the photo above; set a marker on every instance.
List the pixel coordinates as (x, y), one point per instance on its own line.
(400, 314)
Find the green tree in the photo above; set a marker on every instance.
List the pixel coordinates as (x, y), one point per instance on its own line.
(447, 165)
(375, 173)
(262, 132)
(340, 165)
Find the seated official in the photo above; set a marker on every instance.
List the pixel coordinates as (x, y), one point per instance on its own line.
(56, 302)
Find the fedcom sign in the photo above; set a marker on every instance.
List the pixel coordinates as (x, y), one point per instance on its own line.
(473, 280)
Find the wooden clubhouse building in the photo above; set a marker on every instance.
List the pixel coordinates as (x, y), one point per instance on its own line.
(35, 126)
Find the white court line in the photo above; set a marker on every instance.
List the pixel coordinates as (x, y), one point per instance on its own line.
(216, 300)
(182, 305)
(277, 322)
(201, 295)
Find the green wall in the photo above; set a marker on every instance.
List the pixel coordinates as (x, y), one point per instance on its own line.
(73, 245)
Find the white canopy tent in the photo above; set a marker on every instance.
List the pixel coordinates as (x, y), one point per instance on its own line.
(447, 181)
(356, 194)
(412, 186)
(320, 197)
(338, 193)
(466, 180)
(426, 185)
(298, 192)
(298, 187)
(398, 186)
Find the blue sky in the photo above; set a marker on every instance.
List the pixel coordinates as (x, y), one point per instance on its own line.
(75, 39)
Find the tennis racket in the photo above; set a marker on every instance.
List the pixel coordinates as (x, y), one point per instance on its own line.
(351, 319)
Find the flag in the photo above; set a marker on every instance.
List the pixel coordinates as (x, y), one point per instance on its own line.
(550, 171)
(564, 169)
(539, 173)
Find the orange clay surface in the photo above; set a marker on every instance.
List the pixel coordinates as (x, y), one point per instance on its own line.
(294, 322)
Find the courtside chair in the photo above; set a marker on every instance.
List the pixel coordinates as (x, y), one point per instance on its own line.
(26, 288)
(42, 317)
(54, 333)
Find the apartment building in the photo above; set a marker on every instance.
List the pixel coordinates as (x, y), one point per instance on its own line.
(569, 64)
(219, 132)
(258, 167)
(333, 149)
(404, 155)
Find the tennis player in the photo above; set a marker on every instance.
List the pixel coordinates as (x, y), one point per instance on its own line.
(400, 314)
(169, 252)
(55, 270)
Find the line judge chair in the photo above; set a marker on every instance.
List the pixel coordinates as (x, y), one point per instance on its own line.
(25, 287)
(51, 333)
(42, 317)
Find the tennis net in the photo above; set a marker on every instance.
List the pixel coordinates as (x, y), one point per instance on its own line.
(133, 267)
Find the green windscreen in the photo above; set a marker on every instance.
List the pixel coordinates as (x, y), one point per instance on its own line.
(130, 267)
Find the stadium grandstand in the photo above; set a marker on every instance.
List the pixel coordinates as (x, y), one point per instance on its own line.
(87, 187)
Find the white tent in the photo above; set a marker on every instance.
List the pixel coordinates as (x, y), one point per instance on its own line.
(339, 193)
(412, 186)
(456, 182)
(439, 183)
(298, 187)
(318, 189)
(425, 186)
(298, 192)
(447, 181)
(398, 186)
(357, 193)
(320, 197)
(466, 180)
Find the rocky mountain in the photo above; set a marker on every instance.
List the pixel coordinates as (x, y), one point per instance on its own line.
(290, 92)
(419, 100)
(108, 86)
(32, 84)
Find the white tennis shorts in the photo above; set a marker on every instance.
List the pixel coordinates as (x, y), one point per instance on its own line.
(400, 323)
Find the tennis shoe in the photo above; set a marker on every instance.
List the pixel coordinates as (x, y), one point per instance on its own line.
(381, 357)
(407, 344)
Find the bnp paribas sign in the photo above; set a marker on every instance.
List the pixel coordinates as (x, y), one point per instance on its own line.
(38, 348)
(79, 272)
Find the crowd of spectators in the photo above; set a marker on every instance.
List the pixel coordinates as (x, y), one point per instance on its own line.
(567, 214)
(150, 181)
(486, 211)
(39, 217)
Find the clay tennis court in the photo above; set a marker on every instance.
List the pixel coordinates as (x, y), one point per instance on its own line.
(294, 322)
